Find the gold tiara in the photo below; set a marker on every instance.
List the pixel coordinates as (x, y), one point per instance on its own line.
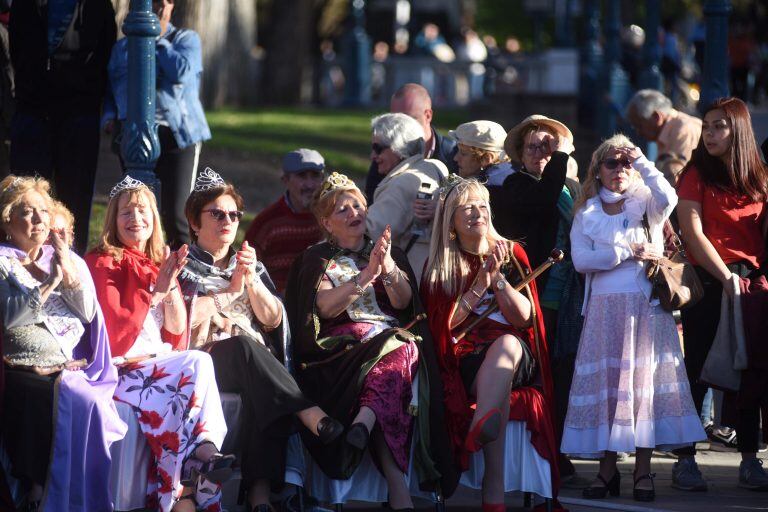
(336, 181)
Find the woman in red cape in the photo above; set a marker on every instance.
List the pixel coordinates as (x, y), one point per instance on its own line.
(501, 366)
(171, 390)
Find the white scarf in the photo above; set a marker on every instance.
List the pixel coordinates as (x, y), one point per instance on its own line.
(610, 197)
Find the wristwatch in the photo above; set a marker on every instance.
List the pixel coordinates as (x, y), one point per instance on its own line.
(501, 284)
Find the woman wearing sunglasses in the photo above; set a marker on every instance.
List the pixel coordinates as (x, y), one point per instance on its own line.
(403, 199)
(236, 317)
(629, 392)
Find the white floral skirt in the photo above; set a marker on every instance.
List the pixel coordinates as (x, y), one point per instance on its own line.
(630, 389)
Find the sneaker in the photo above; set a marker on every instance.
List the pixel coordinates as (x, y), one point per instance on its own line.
(752, 476)
(687, 477)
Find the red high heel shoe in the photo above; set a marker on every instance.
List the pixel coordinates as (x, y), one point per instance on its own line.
(484, 431)
(494, 507)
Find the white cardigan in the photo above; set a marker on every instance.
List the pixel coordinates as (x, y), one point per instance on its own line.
(600, 242)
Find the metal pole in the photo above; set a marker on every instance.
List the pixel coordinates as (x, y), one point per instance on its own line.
(357, 57)
(140, 146)
(651, 76)
(591, 57)
(616, 84)
(715, 79)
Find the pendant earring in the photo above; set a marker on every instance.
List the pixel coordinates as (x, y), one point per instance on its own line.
(452, 235)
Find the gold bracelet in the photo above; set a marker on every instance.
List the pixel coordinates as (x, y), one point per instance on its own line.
(476, 294)
(466, 304)
(359, 290)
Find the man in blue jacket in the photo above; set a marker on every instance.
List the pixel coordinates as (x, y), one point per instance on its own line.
(178, 112)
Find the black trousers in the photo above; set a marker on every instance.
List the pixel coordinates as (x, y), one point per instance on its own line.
(176, 169)
(700, 323)
(270, 398)
(27, 424)
(64, 150)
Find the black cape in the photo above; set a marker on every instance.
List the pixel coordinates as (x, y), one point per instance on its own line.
(333, 377)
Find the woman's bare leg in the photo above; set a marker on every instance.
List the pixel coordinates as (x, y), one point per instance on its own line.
(491, 387)
(258, 494)
(366, 416)
(311, 417)
(399, 495)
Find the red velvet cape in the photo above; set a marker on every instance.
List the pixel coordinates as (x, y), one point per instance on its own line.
(533, 405)
(123, 290)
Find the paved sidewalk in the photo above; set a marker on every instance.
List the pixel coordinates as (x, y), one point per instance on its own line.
(720, 469)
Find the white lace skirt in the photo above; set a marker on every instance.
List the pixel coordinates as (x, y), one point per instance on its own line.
(630, 389)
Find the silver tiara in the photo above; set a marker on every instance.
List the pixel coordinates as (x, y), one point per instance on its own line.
(207, 180)
(126, 183)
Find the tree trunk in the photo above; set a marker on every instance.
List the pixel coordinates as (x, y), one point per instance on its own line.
(288, 50)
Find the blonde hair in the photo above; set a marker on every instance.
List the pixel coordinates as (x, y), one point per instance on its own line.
(591, 185)
(324, 201)
(495, 157)
(13, 188)
(109, 242)
(59, 209)
(445, 266)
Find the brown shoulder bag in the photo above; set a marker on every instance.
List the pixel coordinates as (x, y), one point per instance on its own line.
(674, 280)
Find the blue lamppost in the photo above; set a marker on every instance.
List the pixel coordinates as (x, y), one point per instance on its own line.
(614, 79)
(651, 76)
(357, 59)
(140, 146)
(590, 60)
(715, 79)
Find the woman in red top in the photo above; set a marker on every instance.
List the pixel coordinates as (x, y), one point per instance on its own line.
(501, 365)
(722, 217)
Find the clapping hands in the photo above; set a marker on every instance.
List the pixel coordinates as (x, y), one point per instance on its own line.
(173, 262)
(380, 261)
(245, 270)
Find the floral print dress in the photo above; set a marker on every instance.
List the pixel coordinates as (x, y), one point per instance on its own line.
(177, 403)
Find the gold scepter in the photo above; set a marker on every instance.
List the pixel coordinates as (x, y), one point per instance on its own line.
(556, 256)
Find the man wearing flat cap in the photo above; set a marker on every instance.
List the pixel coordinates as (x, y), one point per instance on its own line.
(286, 227)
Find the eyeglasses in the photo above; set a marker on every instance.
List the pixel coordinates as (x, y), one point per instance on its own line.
(378, 148)
(613, 163)
(533, 148)
(219, 215)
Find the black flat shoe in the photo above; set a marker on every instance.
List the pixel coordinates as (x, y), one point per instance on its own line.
(645, 494)
(358, 435)
(328, 429)
(612, 487)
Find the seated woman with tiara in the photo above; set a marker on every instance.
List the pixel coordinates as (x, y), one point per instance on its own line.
(501, 364)
(235, 315)
(57, 409)
(172, 390)
(360, 341)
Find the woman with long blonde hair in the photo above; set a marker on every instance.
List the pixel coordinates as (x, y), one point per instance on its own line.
(501, 364)
(172, 390)
(629, 392)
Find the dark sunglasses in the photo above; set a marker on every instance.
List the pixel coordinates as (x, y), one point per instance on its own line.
(219, 215)
(613, 163)
(378, 148)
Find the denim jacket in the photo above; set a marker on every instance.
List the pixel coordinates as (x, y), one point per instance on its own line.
(179, 66)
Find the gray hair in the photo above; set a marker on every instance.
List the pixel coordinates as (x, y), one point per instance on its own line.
(401, 133)
(647, 101)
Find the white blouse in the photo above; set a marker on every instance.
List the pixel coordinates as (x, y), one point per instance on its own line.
(600, 243)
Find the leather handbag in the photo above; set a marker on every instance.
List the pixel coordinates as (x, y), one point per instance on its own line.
(674, 280)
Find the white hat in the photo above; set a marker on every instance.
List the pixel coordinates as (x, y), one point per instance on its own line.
(480, 134)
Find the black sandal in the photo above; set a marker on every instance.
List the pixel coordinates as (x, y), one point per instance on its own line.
(645, 494)
(217, 469)
(612, 487)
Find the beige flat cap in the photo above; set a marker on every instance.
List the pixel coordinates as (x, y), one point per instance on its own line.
(480, 134)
